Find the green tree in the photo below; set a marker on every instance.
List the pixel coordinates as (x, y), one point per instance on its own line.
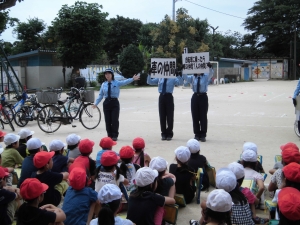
(80, 31)
(145, 37)
(123, 31)
(273, 24)
(6, 21)
(30, 35)
(131, 61)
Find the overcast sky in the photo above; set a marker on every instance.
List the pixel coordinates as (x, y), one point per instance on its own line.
(144, 10)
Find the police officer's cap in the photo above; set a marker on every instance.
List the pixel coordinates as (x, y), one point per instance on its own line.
(109, 70)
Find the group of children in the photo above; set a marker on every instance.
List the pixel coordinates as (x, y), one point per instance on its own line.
(94, 191)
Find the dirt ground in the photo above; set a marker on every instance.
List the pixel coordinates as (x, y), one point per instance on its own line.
(260, 111)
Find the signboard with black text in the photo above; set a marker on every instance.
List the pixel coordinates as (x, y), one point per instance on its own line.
(195, 63)
(163, 68)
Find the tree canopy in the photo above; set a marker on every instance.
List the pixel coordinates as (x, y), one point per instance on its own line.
(272, 24)
(80, 31)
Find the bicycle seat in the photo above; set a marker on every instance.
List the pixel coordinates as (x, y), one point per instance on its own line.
(61, 102)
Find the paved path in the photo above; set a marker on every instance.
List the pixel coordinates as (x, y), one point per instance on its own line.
(259, 111)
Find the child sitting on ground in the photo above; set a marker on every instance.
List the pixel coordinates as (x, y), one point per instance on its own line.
(197, 161)
(106, 144)
(185, 176)
(32, 191)
(165, 184)
(73, 142)
(288, 204)
(60, 162)
(127, 168)
(43, 162)
(25, 135)
(109, 172)
(249, 161)
(252, 146)
(79, 194)
(110, 198)
(143, 201)
(34, 146)
(140, 157)
(10, 156)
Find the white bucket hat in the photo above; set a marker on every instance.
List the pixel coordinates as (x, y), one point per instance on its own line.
(158, 163)
(193, 145)
(145, 176)
(249, 156)
(183, 154)
(219, 201)
(225, 179)
(237, 169)
(250, 146)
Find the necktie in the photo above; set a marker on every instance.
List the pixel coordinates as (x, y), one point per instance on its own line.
(198, 85)
(109, 90)
(164, 86)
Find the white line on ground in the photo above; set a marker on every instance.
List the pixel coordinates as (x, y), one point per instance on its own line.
(274, 97)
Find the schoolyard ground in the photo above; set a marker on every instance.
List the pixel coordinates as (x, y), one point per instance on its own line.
(260, 111)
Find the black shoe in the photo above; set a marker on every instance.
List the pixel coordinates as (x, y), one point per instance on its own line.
(114, 138)
(197, 138)
(163, 137)
(169, 138)
(203, 139)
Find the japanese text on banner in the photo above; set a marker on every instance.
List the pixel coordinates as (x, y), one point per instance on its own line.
(163, 67)
(195, 62)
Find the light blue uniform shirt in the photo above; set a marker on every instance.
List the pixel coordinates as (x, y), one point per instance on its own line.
(296, 93)
(115, 89)
(204, 80)
(171, 82)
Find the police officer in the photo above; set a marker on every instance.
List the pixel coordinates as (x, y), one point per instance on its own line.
(166, 103)
(110, 90)
(296, 93)
(199, 102)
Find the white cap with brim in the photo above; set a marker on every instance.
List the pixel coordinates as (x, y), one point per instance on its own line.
(158, 163)
(145, 176)
(33, 143)
(24, 133)
(56, 145)
(250, 146)
(249, 156)
(225, 179)
(109, 193)
(237, 169)
(193, 145)
(219, 201)
(183, 154)
(11, 138)
(73, 139)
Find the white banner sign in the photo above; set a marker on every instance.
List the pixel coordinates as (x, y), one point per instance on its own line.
(195, 63)
(163, 68)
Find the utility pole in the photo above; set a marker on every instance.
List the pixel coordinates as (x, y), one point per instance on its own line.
(174, 1)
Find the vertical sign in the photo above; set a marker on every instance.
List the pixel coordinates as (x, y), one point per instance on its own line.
(163, 68)
(195, 62)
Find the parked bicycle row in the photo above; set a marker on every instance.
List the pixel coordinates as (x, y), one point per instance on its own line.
(49, 111)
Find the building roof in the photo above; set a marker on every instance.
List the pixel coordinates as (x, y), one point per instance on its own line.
(26, 54)
(236, 60)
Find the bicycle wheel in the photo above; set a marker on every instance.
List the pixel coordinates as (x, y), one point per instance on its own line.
(48, 118)
(296, 128)
(6, 114)
(20, 118)
(89, 117)
(73, 107)
(2, 125)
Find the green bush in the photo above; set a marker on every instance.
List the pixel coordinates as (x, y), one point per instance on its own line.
(143, 79)
(93, 83)
(131, 61)
(101, 78)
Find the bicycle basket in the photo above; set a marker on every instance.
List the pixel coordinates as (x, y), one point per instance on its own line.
(46, 97)
(87, 96)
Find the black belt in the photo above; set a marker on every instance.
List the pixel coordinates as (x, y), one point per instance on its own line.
(201, 93)
(166, 93)
(111, 99)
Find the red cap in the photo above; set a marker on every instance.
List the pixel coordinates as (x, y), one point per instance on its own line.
(77, 178)
(109, 158)
(86, 146)
(288, 202)
(138, 143)
(76, 165)
(126, 152)
(32, 188)
(3, 173)
(42, 158)
(2, 133)
(290, 155)
(107, 143)
(287, 145)
(292, 172)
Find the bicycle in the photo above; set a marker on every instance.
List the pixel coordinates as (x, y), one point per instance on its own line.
(53, 115)
(28, 111)
(6, 115)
